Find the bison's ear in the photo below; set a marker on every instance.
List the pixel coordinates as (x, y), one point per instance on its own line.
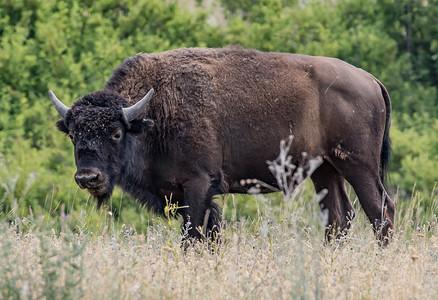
(139, 126)
(61, 126)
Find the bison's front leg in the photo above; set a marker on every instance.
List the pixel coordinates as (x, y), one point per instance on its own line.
(201, 217)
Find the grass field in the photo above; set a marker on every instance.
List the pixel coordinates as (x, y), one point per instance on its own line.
(277, 253)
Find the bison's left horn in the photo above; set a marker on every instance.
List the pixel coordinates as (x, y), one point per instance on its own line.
(60, 107)
(132, 112)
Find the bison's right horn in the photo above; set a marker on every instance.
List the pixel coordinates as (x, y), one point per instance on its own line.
(60, 107)
(132, 112)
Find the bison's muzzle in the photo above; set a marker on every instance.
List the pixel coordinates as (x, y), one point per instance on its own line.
(91, 179)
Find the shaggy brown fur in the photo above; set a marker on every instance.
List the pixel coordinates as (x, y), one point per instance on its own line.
(219, 114)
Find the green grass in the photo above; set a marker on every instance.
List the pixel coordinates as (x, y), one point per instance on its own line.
(275, 251)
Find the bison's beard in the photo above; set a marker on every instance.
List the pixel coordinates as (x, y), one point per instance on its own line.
(101, 200)
(103, 197)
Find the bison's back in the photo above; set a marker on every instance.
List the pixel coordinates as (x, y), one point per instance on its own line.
(246, 101)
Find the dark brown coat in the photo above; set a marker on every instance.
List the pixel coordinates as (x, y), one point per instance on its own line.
(217, 116)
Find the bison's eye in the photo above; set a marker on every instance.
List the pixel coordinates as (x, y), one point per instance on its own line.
(72, 138)
(117, 136)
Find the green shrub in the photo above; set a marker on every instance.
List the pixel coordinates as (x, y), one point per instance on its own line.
(72, 47)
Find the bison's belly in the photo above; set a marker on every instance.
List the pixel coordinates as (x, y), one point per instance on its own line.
(242, 175)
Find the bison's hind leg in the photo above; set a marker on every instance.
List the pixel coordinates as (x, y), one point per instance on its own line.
(336, 201)
(361, 168)
(374, 199)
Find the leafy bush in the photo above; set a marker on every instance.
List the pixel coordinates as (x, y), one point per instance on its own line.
(73, 46)
(415, 152)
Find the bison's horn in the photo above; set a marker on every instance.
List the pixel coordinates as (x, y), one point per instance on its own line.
(60, 107)
(132, 112)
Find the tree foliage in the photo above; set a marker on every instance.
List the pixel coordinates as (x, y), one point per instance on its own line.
(72, 47)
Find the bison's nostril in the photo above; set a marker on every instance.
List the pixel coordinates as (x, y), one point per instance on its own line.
(86, 180)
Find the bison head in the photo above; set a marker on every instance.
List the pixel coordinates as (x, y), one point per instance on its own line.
(102, 130)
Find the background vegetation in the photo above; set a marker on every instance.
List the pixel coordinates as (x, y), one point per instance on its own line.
(72, 47)
(55, 245)
(277, 253)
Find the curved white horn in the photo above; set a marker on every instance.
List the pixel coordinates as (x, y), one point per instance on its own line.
(60, 107)
(132, 112)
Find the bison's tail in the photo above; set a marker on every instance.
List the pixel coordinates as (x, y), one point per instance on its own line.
(386, 143)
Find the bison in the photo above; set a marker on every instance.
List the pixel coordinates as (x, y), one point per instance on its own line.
(212, 117)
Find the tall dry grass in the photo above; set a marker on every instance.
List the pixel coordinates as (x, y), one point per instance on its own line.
(277, 254)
